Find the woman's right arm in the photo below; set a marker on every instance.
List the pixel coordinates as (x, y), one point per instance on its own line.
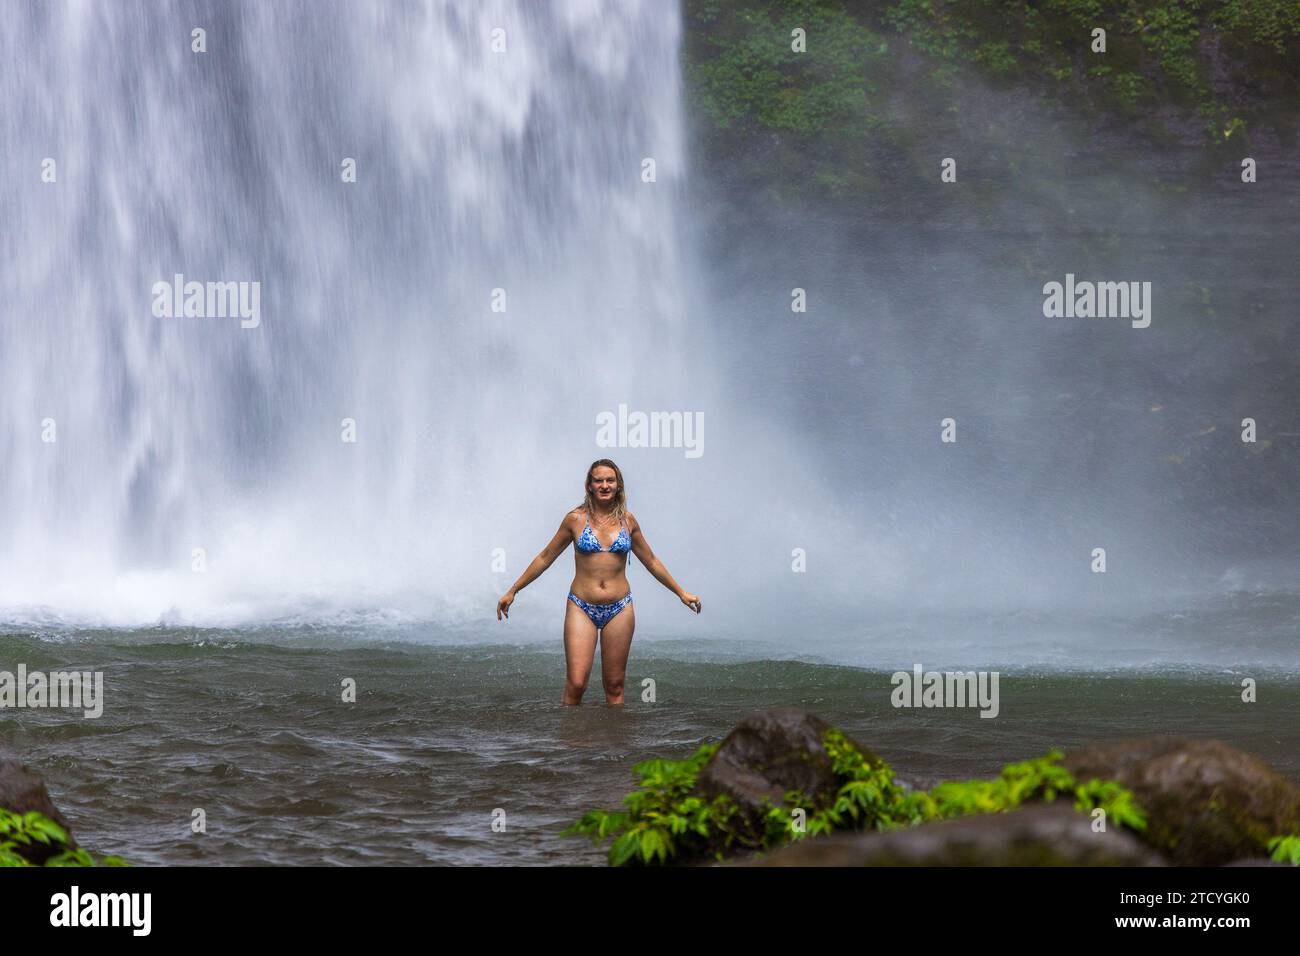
(544, 560)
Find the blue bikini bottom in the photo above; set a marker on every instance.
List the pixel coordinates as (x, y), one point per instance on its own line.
(602, 614)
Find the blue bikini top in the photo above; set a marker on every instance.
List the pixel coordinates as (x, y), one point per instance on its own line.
(589, 543)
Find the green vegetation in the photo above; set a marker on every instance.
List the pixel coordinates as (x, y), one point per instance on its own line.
(668, 820)
(664, 817)
(754, 76)
(879, 84)
(746, 80)
(1285, 849)
(19, 830)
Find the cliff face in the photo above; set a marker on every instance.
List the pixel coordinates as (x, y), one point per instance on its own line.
(1013, 89)
(822, 169)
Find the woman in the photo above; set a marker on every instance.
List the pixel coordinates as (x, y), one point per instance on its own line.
(600, 598)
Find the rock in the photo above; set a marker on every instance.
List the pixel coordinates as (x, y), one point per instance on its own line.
(769, 753)
(1053, 834)
(1206, 803)
(764, 756)
(22, 791)
(1257, 861)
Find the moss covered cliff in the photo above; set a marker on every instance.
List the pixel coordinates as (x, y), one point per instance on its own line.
(880, 88)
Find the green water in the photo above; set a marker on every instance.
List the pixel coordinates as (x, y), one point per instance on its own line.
(257, 736)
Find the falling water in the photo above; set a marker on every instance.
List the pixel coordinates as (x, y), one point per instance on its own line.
(192, 471)
(497, 146)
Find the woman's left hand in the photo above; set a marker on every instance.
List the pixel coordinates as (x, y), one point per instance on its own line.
(691, 601)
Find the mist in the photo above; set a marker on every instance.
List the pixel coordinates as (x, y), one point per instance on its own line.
(415, 412)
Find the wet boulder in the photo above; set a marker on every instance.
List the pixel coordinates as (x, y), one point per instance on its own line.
(767, 754)
(22, 791)
(764, 756)
(1206, 803)
(1047, 834)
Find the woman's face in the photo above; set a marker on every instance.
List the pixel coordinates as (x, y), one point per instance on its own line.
(604, 484)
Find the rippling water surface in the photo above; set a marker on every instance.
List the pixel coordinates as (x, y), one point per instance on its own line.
(250, 726)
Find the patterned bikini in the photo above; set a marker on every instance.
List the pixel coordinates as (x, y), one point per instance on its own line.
(588, 543)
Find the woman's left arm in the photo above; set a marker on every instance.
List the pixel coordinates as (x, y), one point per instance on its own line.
(641, 548)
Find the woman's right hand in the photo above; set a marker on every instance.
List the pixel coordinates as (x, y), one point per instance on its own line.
(503, 606)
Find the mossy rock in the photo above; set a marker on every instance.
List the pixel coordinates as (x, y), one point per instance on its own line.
(1207, 803)
(768, 755)
(1045, 834)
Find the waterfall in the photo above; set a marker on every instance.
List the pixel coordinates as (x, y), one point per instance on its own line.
(190, 468)
(310, 312)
